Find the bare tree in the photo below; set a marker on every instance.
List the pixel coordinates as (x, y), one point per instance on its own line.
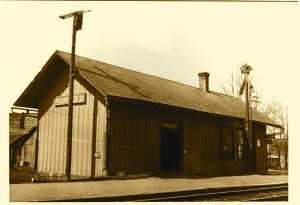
(233, 84)
(279, 114)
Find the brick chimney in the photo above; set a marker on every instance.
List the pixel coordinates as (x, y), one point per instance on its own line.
(204, 81)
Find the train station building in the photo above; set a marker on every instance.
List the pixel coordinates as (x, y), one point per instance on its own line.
(130, 122)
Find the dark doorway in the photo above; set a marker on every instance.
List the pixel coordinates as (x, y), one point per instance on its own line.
(171, 150)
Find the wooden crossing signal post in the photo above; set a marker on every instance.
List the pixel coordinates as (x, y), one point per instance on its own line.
(248, 87)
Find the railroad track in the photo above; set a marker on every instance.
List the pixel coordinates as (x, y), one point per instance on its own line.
(253, 193)
(283, 197)
(240, 193)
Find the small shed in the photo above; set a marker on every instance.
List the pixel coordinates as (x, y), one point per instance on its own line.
(131, 122)
(273, 161)
(22, 139)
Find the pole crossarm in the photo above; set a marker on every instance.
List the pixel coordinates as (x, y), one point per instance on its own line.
(73, 14)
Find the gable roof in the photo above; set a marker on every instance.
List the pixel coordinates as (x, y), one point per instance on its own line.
(115, 81)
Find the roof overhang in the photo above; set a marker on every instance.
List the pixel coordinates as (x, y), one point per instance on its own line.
(266, 121)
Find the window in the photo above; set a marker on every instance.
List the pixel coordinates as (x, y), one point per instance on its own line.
(227, 144)
(240, 137)
(22, 121)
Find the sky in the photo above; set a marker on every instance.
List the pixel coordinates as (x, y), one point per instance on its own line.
(173, 40)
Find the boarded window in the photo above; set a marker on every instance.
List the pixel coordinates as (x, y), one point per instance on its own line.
(227, 144)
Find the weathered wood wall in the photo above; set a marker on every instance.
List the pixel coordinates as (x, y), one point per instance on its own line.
(135, 140)
(201, 144)
(235, 165)
(28, 153)
(135, 135)
(86, 134)
(259, 131)
(29, 149)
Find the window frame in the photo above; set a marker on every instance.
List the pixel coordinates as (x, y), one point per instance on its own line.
(239, 144)
(231, 144)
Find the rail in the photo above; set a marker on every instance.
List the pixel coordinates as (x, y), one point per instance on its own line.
(238, 194)
(212, 194)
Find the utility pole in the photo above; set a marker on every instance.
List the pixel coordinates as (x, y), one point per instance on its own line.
(77, 25)
(252, 137)
(255, 101)
(247, 126)
(245, 69)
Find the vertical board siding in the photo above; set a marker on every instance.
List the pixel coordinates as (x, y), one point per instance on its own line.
(201, 145)
(189, 140)
(135, 136)
(53, 129)
(41, 144)
(135, 139)
(48, 141)
(57, 141)
(28, 150)
(186, 132)
(100, 143)
(261, 151)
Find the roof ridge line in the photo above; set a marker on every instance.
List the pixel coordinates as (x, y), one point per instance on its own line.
(151, 75)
